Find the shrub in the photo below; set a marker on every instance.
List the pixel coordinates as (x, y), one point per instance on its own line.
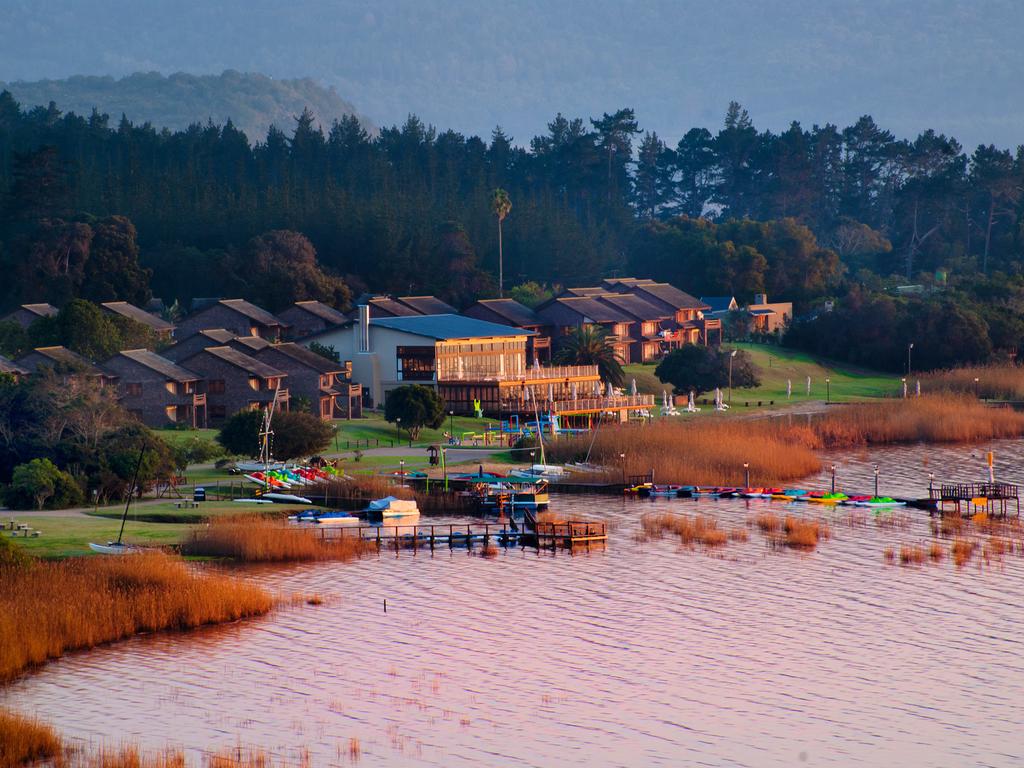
(417, 407)
(39, 484)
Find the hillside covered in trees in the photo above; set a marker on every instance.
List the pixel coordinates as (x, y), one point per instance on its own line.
(252, 102)
(805, 214)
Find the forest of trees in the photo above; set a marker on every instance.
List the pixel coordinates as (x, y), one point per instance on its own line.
(107, 211)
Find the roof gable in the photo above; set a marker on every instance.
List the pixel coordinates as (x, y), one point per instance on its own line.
(124, 309)
(322, 311)
(158, 364)
(302, 356)
(511, 311)
(668, 295)
(428, 305)
(239, 360)
(251, 311)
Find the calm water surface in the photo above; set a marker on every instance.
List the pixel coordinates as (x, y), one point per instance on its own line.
(633, 654)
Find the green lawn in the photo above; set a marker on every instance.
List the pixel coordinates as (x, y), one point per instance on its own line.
(776, 365)
(373, 428)
(170, 512)
(64, 536)
(178, 436)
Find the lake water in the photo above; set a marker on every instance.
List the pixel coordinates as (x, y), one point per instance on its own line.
(637, 653)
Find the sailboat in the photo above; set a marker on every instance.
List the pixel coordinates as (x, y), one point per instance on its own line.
(119, 547)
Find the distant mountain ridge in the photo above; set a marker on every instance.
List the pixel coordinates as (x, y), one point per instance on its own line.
(253, 102)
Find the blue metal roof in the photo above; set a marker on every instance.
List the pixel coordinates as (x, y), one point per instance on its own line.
(443, 327)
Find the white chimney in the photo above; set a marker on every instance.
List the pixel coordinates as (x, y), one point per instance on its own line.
(760, 298)
(364, 328)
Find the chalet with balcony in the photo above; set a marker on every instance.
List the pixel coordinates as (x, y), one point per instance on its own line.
(160, 327)
(650, 326)
(157, 391)
(9, 368)
(68, 365)
(510, 312)
(197, 342)
(327, 385)
(27, 314)
(236, 382)
(564, 313)
(692, 327)
(304, 318)
(472, 363)
(239, 316)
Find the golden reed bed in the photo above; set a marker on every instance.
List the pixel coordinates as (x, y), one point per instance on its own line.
(49, 608)
(255, 539)
(712, 451)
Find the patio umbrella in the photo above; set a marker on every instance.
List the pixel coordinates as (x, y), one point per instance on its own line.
(575, 394)
(610, 392)
(551, 393)
(691, 403)
(526, 394)
(789, 388)
(536, 364)
(632, 388)
(597, 388)
(664, 398)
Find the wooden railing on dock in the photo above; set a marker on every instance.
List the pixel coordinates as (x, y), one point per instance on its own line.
(992, 498)
(467, 534)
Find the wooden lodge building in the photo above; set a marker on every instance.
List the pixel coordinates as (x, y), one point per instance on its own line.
(197, 342)
(239, 316)
(161, 328)
(473, 364)
(510, 312)
(157, 391)
(236, 382)
(27, 314)
(304, 318)
(327, 385)
(68, 365)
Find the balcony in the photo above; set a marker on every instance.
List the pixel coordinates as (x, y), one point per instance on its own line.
(550, 373)
(614, 403)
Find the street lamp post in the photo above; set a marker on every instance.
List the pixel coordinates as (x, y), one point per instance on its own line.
(876, 480)
(731, 356)
(833, 478)
(828, 390)
(977, 390)
(910, 347)
(746, 474)
(622, 456)
(401, 470)
(398, 429)
(444, 465)
(451, 426)
(904, 380)
(532, 454)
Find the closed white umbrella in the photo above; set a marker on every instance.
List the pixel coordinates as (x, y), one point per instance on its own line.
(632, 388)
(610, 392)
(664, 398)
(597, 388)
(691, 403)
(526, 394)
(551, 392)
(575, 393)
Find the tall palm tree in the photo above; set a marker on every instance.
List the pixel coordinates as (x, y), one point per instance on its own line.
(501, 206)
(590, 345)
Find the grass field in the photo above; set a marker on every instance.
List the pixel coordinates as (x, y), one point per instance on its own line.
(777, 365)
(178, 436)
(373, 427)
(70, 535)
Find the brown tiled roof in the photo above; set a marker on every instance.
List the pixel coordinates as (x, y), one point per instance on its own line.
(243, 361)
(303, 356)
(42, 310)
(668, 294)
(583, 291)
(428, 305)
(568, 310)
(319, 309)
(512, 312)
(635, 306)
(254, 313)
(251, 343)
(124, 309)
(161, 365)
(392, 307)
(6, 366)
(217, 334)
(64, 360)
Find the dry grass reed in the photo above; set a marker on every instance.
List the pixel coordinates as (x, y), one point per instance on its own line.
(994, 382)
(712, 451)
(691, 530)
(935, 551)
(911, 554)
(26, 741)
(804, 534)
(49, 608)
(255, 539)
(962, 550)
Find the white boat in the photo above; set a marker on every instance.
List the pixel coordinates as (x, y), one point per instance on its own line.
(113, 548)
(390, 506)
(286, 498)
(337, 518)
(545, 471)
(256, 466)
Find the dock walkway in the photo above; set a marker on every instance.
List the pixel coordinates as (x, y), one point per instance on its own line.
(548, 535)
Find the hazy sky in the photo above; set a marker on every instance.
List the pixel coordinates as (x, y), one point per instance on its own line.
(953, 65)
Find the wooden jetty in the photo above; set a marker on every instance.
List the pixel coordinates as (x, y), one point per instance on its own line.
(995, 499)
(547, 535)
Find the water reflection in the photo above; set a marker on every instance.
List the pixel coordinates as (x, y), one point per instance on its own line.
(634, 654)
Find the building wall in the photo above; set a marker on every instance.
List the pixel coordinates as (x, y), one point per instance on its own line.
(238, 395)
(302, 380)
(157, 394)
(219, 316)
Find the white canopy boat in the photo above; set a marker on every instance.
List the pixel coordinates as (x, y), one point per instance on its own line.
(390, 506)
